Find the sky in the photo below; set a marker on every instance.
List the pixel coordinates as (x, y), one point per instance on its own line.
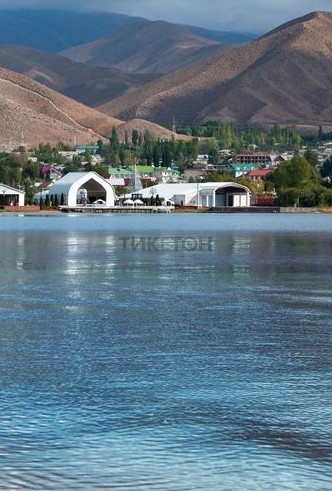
(255, 16)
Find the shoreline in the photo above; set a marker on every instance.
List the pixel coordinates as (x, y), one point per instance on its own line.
(191, 211)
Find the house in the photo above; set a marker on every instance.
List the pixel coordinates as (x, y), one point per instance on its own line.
(10, 196)
(144, 171)
(51, 172)
(92, 149)
(167, 174)
(237, 170)
(202, 159)
(43, 185)
(258, 158)
(192, 175)
(125, 174)
(258, 175)
(68, 154)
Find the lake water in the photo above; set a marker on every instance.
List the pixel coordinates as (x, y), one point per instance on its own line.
(166, 352)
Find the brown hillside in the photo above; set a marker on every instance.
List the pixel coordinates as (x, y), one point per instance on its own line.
(75, 80)
(154, 47)
(142, 126)
(285, 77)
(31, 113)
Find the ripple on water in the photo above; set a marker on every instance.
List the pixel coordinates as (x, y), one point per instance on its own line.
(165, 371)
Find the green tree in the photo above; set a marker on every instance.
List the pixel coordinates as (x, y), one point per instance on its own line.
(114, 139)
(296, 173)
(101, 169)
(311, 155)
(31, 170)
(326, 170)
(289, 196)
(156, 154)
(134, 137)
(30, 191)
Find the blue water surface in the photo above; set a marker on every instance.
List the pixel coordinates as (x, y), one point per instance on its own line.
(165, 352)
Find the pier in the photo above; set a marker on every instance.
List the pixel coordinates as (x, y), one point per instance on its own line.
(115, 209)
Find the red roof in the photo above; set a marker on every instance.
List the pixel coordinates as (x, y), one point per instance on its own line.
(259, 173)
(45, 168)
(45, 185)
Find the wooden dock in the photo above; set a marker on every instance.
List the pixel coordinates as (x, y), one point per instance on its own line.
(115, 209)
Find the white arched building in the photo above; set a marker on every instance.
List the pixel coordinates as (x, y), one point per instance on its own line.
(207, 194)
(223, 194)
(80, 188)
(10, 196)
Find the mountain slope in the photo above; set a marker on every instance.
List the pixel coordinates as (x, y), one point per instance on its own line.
(31, 113)
(55, 30)
(285, 77)
(156, 47)
(222, 37)
(75, 80)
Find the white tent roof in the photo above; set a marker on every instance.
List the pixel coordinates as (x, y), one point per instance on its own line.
(73, 181)
(167, 191)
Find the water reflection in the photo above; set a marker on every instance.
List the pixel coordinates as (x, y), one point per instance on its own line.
(166, 369)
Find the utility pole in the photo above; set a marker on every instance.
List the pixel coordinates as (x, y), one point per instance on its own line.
(173, 125)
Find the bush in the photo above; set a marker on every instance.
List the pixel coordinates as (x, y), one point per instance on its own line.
(309, 198)
(325, 197)
(289, 197)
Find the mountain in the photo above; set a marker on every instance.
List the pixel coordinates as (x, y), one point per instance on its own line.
(142, 126)
(223, 37)
(31, 113)
(285, 77)
(154, 47)
(56, 30)
(76, 80)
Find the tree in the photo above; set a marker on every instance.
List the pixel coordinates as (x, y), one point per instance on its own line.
(114, 139)
(45, 153)
(213, 156)
(296, 173)
(31, 170)
(29, 191)
(311, 156)
(288, 197)
(326, 170)
(101, 169)
(100, 146)
(166, 157)
(156, 154)
(134, 138)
